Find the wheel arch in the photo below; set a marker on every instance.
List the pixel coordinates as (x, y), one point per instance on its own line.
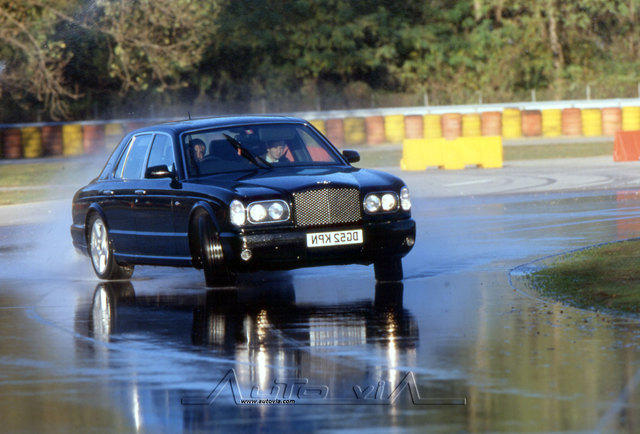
(94, 208)
(199, 208)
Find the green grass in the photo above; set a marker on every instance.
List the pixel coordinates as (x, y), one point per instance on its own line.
(11, 197)
(600, 277)
(24, 174)
(391, 158)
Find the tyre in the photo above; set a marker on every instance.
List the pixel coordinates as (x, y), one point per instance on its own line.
(101, 252)
(388, 270)
(211, 256)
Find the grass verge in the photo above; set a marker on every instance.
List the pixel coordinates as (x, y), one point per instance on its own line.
(600, 277)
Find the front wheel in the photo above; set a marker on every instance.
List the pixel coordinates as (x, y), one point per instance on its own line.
(388, 270)
(211, 254)
(101, 253)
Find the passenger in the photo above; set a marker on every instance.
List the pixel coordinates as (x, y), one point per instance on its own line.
(275, 151)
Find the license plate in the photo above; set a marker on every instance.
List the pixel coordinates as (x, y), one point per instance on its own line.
(336, 238)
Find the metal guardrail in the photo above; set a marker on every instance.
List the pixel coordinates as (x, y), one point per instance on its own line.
(414, 110)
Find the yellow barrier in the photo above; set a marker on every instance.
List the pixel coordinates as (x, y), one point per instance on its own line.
(630, 118)
(483, 151)
(31, 142)
(471, 125)
(591, 122)
(112, 135)
(432, 127)
(551, 122)
(394, 128)
(511, 123)
(320, 125)
(354, 131)
(72, 139)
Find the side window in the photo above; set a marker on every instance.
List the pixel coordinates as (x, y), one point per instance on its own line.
(118, 172)
(135, 157)
(316, 151)
(161, 152)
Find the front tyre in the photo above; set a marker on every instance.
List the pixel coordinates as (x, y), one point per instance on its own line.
(388, 270)
(101, 252)
(211, 255)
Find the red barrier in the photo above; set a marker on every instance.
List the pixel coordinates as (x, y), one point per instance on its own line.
(12, 140)
(413, 127)
(335, 131)
(92, 138)
(52, 139)
(374, 125)
(626, 146)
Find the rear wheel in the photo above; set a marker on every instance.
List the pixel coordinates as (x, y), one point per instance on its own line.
(101, 252)
(388, 270)
(211, 256)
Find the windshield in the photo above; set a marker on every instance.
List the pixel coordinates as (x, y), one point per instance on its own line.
(251, 146)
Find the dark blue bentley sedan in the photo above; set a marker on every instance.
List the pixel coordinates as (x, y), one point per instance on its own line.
(236, 194)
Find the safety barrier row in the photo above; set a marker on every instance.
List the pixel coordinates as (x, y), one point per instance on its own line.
(31, 141)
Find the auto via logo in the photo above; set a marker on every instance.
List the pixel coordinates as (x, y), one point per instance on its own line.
(298, 391)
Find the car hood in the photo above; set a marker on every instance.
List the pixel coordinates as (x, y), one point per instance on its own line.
(292, 179)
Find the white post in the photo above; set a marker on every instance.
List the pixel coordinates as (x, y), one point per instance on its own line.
(533, 95)
(425, 97)
(588, 91)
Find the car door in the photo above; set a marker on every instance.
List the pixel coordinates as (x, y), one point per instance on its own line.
(126, 178)
(153, 203)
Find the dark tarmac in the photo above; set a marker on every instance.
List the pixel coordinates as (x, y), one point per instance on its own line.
(145, 355)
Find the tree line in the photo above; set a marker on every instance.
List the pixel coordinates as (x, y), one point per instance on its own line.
(82, 59)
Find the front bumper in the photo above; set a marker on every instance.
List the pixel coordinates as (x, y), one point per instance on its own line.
(287, 249)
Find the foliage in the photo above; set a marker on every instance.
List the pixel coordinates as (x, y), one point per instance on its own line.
(75, 59)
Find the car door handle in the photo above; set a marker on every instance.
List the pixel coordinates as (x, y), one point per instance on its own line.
(141, 191)
(107, 192)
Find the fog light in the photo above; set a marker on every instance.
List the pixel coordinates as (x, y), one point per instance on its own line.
(245, 254)
(409, 241)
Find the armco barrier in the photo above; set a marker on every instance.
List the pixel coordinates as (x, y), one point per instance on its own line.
(394, 128)
(471, 126)
(432, 126)
(31, 138)
(354, 131)
(626, 146)
(591, 122)
(630, 118)
(419, 154)
(374, 125)
(551, 122)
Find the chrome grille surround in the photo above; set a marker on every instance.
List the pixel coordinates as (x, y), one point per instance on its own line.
(327, 206)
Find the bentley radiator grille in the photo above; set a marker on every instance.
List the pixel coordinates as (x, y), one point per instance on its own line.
(327, 206)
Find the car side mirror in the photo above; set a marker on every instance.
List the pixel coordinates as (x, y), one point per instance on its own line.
(351, 156)
(160, 171)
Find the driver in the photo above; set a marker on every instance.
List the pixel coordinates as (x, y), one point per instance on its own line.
(197, 150)
(275, 151)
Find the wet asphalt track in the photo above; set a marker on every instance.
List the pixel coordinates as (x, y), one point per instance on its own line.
(124, 356)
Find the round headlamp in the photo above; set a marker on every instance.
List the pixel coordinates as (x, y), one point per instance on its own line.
(276, 211)
(257, 212)
(237, 213)
(372, 203)
(388, 202)
(405, 199)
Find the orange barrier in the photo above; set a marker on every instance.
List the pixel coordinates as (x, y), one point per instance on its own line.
(451, 125)
(491, 123)
(335, 131)
(571, 122)
(531, 123)
(52, 140)
(11, 143)
(611, 120)
(413, 127)
(92, 137)
(374, 125)
(626, 146)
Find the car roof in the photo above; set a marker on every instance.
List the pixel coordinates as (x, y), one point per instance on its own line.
(178, 127)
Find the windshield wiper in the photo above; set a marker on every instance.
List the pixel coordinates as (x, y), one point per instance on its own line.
(244, 152)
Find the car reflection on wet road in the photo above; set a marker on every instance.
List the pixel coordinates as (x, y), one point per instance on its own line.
(121, 356)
